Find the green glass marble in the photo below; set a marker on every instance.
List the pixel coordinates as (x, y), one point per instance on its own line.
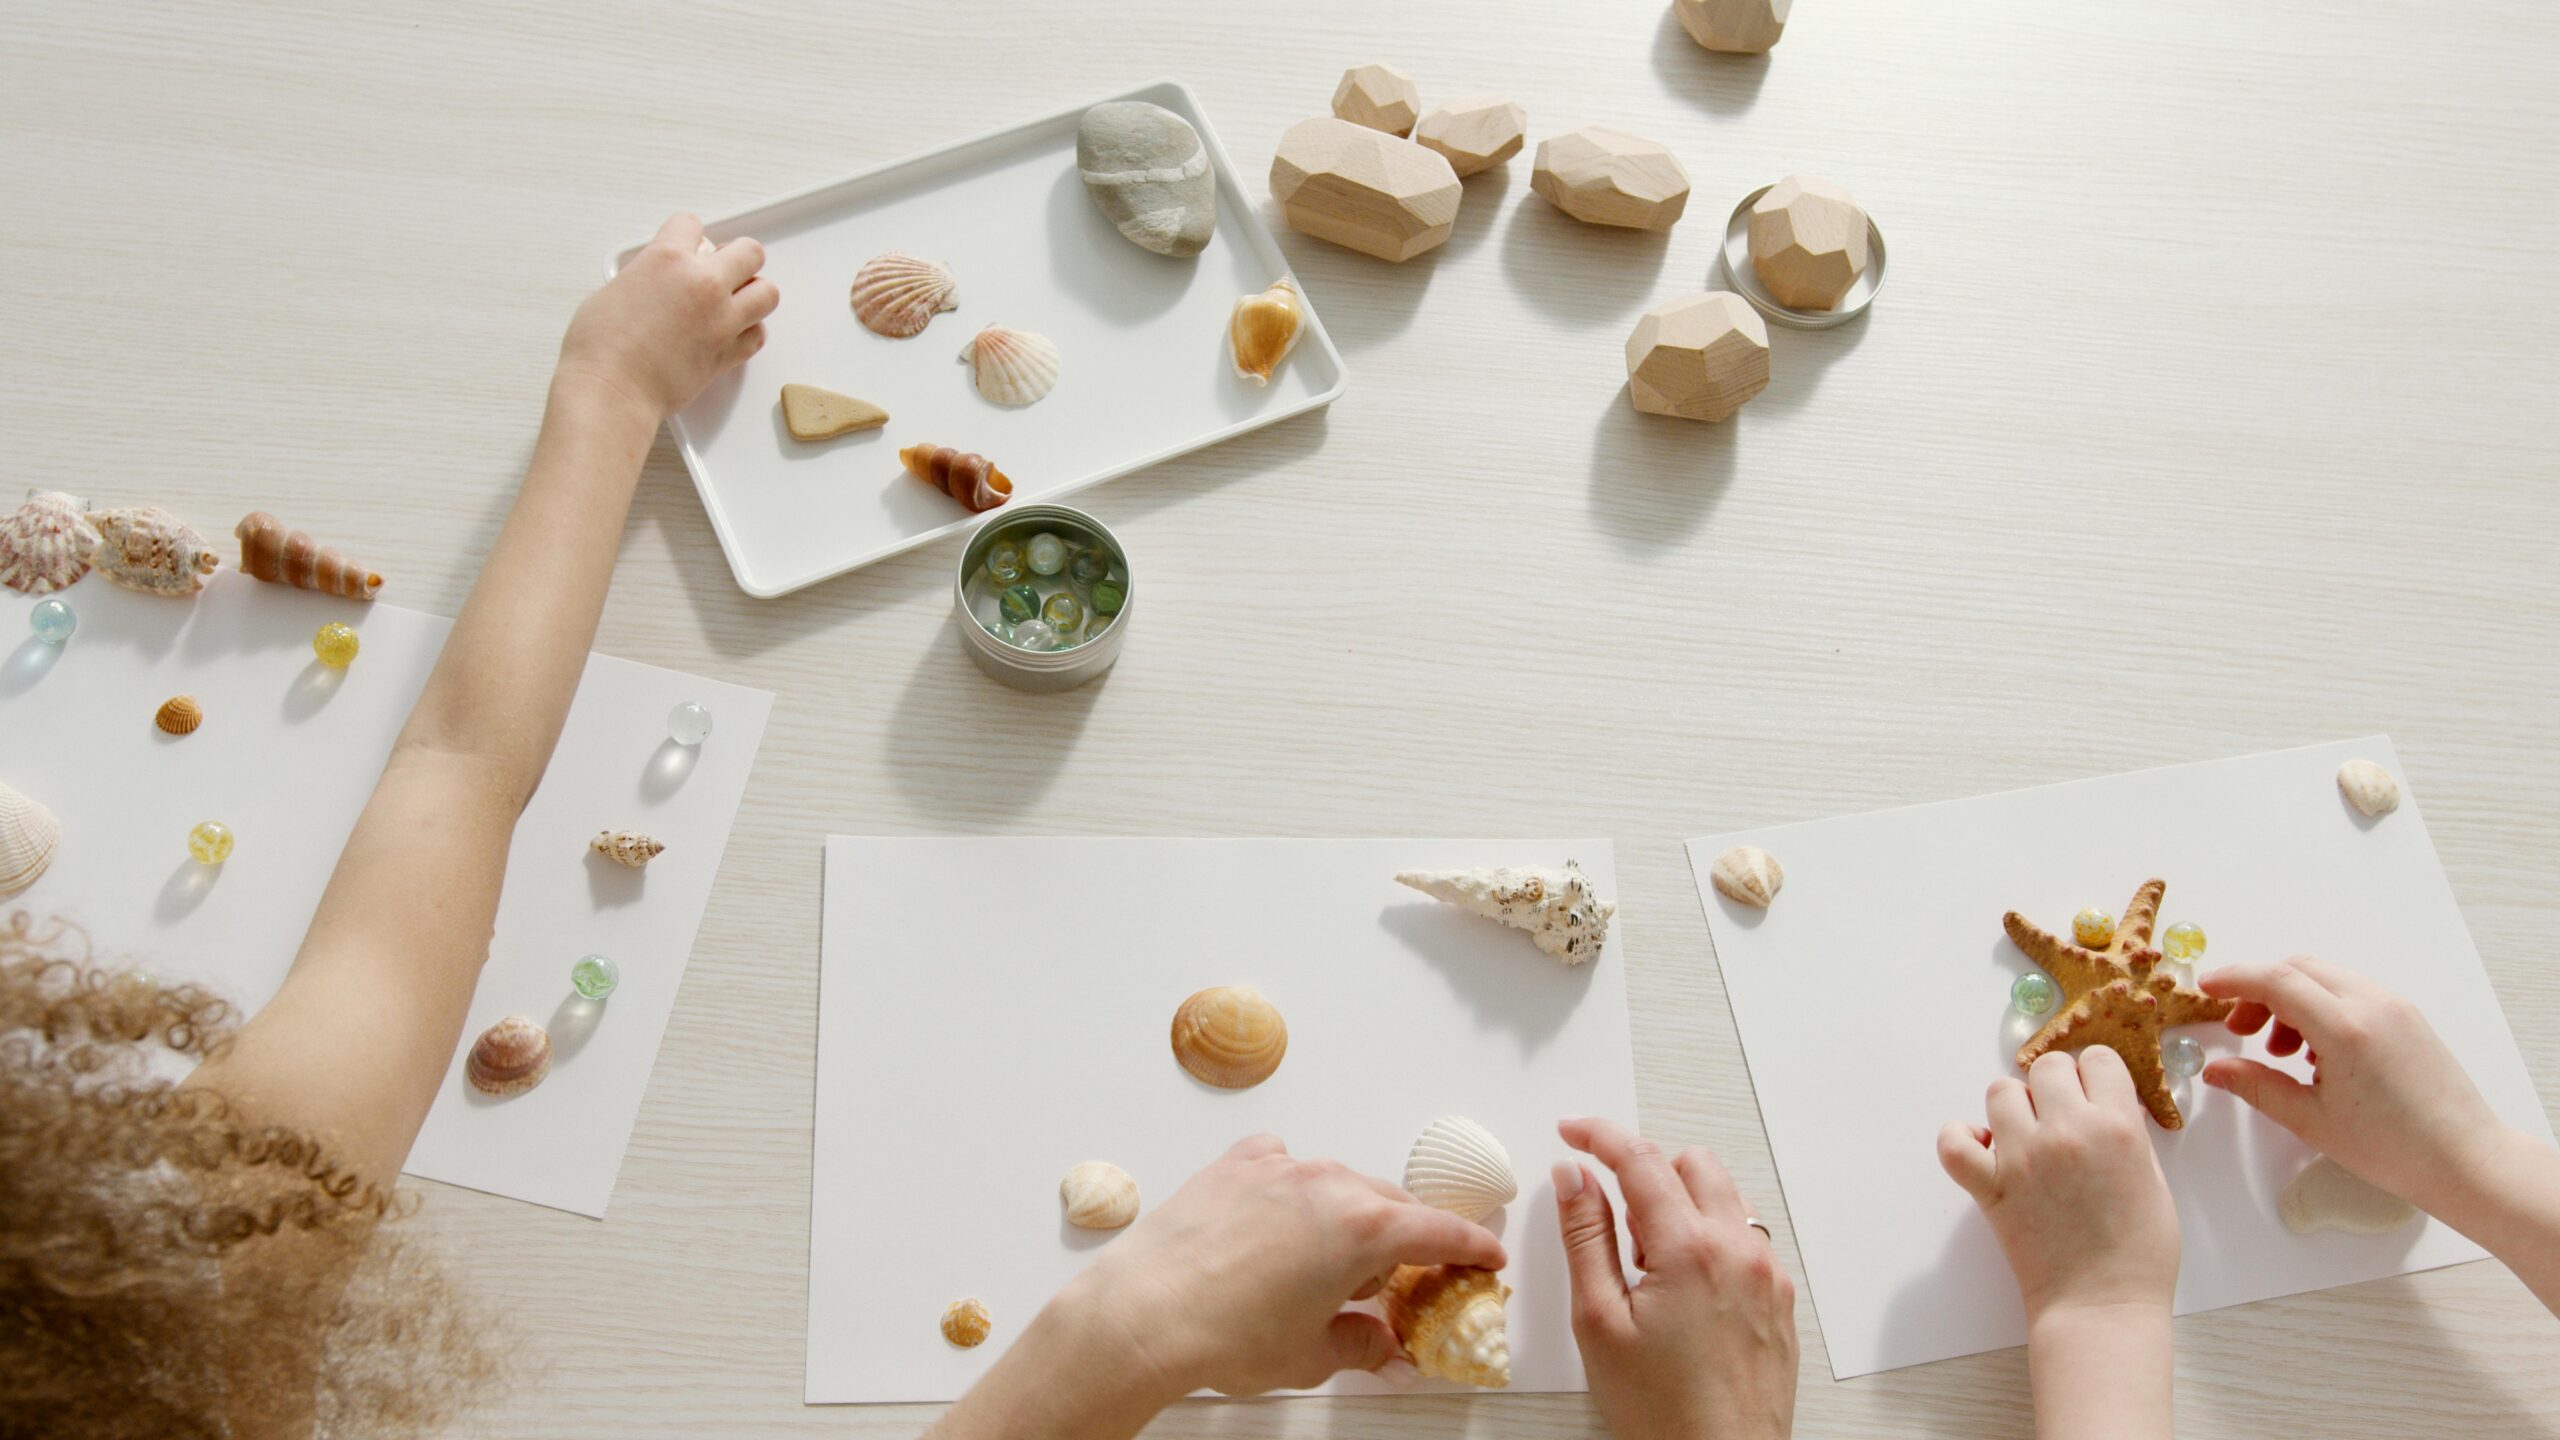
(2183, 942)
(594, 976)
(1046, 554)
(1089, 564)
(1109, 596)
(2033, 994)
(1064, 611)
(1004, 563)
(1019, 603)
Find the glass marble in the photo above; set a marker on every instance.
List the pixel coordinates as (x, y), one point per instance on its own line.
(689, 723)
(210, 843)
(52, 620)
(1046, 554)
(1109, 596)
(2033, 994)
(2183, 1056)
(594, 976)
(1036, 635)
(1063, 610)
(1019, 603)
(1004, 563)
(2094, 928)
(1088, 564)
(2183, 942)
(335, 644)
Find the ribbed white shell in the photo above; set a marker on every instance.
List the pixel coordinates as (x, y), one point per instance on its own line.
(1014, 367)
(898, 295)
(28, 837)
(45, 544)
(1459, 1167)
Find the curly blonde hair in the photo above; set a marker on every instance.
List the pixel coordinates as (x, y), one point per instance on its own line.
(169, 1269)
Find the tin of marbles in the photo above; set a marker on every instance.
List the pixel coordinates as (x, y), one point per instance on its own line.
(689, 723)
(595, 976)
(1109, 594)
(2183, 942)
(210, 843)
(1004, 563)
(1046, 554)
(53, 620)
(1064, 611)
(1088, 564)
(1035, 635)
(2032, 994)
(335, 644)
(2093, 927)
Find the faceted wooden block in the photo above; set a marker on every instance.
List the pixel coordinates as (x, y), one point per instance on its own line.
(1381, 97)
(1608, 177)
(1737, 27)
(1698, 357)
(1473, 134)
(1362, 189)
(1808, 242)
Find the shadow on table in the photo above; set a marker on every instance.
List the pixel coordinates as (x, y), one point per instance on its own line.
(1722, 84)
(964, 747)
(1361, 299)
(1798, 359)
(1471, 954)
(1586, 276)
(1655, 478)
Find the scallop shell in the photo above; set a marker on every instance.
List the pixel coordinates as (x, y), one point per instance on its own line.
(897, 294)
(966, 1323)
(148, 549)
(28, 837)
(2328, 1196)
(1265, 328)
(1451, 1321)
(178, 715)
(1099, 1196)
(509, 1058)
(1459, 1167)
(1014, 367)
(45, 544)
(626, 847)
(1558, 908)
(2369, 787)
(1748, 875)
(1229, 1036)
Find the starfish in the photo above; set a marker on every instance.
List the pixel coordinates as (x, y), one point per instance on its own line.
(2116, 997)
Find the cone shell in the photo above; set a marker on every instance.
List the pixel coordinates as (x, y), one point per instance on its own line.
(1558, 908)
(1451, 1321)
(1265, 328)
(1459, 1167)
(1014, 367)
(1748, 875)
(2368, 787)
(280, 555)
(897, 294)
(1229, 1036)
(509, 1058)
(966, 1323)
(45, 544)
(626, 847)
(178, 715)
(29, 835)
(973, 480)
(1099, 1196)
(146, 548)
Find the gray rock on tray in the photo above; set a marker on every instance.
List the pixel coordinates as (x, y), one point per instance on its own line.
(1148, 171)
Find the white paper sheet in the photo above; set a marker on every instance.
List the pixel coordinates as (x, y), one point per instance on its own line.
(1872, 1001)
(993, 1011)
(287, 755)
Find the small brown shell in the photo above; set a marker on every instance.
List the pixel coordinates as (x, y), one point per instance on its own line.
(966, 1323)
(626, 847)
(1229, 1036)
(179, 715)
(509, 1058)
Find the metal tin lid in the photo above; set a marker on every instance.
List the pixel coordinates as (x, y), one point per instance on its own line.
(1040, 669)
(1746, 279)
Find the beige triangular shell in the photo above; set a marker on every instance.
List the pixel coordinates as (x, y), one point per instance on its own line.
(626, 847)
(1229, 1036)
(29, 836)
(2368, 787)
(1459, 1166)
(1558, 908)
(2328, 1196)
(1451, 1322)
(1099, 1195)
(45, 544)
(1013, 367)
(1748, 875)
(897, 294)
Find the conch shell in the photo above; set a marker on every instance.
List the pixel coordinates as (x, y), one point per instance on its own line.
(973, 480)
(1265, 328)
(2328, 1196)
(279, 555)
(2368, 787)
(1099, 1196)
(1749, 875)
(1557, 907)
(1458, 1166)
(1451, 1322)
(145, 548)
(178, 715)
(1013, 367)
(45, 544)
(626, 847)
(28, 837)
(509, 1058)
(897, 294)
(1229, 1036)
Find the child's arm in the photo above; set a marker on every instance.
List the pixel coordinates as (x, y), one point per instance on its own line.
(353, 1047)
(2392, 1104)
(2066, 1176)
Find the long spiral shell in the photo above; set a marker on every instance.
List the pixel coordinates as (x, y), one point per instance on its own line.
(148, 549)
(897, 294)
(626, 847)
(509, 1058)
(274, 552)
(973, 480)
(45, 544)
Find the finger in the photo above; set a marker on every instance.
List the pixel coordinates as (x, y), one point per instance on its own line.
(2054, 1082)
(2283, 1040)
(2108, 1083)
(2008, 1108)
(1419, 1235)
(1254, 1147)
(2248, 1018)
(1658, 1205)
(749, 341)
(1355, 1341)
(1590, 1246)
(2269, 1091)
(2285, 988)
(755, 301)
(738, 261)
(1372, 1285)
(1964, 1152)
(682, 230)
(1709, 1184)
(1386, 1189)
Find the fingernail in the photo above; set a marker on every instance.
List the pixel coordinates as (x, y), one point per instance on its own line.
(1568, 1178)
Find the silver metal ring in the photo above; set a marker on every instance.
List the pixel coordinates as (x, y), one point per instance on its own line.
(1755, 1223)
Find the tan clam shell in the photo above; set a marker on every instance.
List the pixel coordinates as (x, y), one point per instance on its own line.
(1748, 875)
(898, 294)
(509, 1058)
(1013, 367)
(966, 1323)
(1451, 1321)
(626, 847)
(1229, 1036)
(1264, 328)
(29, 836)
(178, 715)
(2369, 788)
(1099, 1195)
(45, 544)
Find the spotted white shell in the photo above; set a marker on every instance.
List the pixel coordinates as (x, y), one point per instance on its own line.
(28, 837)
(45, 544)
(148, 549)
(626, 847)
(1014, 367)
(1748, 875)
(1458, 1166)
(1450, 1320)
(897, 294)
(1099, 1196)
(1559, 908)
(2368, 787)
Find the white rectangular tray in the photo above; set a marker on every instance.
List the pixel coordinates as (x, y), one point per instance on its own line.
(1145, 375)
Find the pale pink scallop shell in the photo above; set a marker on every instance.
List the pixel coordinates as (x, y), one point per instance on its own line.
(898, 294)
(45, 544)
(1014, 367)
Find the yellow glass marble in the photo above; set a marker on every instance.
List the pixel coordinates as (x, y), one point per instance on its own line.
(2183, 942)
(2094, 928)
(335, 644)
(210, 843)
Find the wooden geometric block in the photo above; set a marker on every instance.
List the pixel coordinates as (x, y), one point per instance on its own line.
(1808, 242)
(1698, 357)
(1381, 97)
(1737, 27)
(1607, 177)
(1364, 189)
(1473, 134)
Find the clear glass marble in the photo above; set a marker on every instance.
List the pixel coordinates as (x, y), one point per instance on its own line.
(2094, 928)
(1046, 554)
(594, 976)
(210, 843)
(2183, 942)
(1036, 635)
(1064, 611)
(52, 620)
(1109, 595)
(1004, 563)
(2032, 994)
(2183, 1056)
(335, 644)
(1019, 603)
(689, 723)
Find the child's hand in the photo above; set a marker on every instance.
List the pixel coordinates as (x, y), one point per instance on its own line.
(2066, 1177)
(674, 320)
(2386, 1099)
(1706, 1345)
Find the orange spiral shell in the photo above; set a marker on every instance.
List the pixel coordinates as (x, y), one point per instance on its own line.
(271, 551)
(973, 480)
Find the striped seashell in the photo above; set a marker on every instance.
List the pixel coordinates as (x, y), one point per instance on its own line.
(1099, 1195)
(1459, 1167)
(274, 552)
(1229, 1036)
(509, 1058)
(45, 544)
(1013, 367)
(897, 294)
(148, 549)
(626, 847)
(973, 480)
(1749, 875)
(178, 715)
(28, 837)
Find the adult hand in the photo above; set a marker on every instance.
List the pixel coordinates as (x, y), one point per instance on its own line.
(1705, 1342)
(672, 321)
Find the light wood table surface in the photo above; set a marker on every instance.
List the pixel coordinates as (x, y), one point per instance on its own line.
(2206, 410)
